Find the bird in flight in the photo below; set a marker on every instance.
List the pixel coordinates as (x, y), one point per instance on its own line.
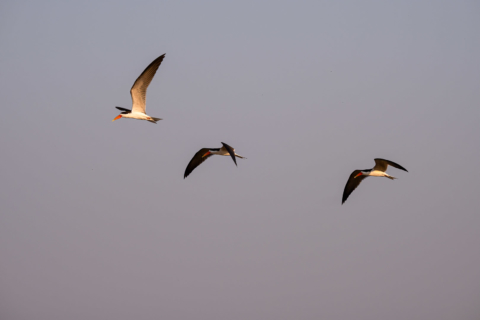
(378, 170)
(205, 153)
(139, 94)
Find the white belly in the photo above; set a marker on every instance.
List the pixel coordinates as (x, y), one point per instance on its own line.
(136, 115)
(377, 173)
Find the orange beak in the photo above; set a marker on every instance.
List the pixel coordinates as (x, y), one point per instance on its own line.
(117, 117)
(206, 154)
(358, 175)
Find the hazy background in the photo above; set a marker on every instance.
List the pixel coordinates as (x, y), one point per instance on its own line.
(97, 221)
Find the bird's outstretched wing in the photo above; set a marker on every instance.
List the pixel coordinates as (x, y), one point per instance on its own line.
(352, 184)
(231, 151)
(197, 159)
(139, 88)
(381, 165)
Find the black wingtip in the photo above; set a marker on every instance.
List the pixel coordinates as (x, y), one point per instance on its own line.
(123, 109)
(393, 164)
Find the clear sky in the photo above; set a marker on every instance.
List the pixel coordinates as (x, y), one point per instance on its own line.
(97, 221)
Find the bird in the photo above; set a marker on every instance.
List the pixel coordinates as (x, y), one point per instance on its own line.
(204, 153)
(378, 170)
(139, 93)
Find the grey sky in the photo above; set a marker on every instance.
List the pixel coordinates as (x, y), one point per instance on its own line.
(97, 221)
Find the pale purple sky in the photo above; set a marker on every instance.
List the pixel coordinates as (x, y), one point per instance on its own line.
(97, 221)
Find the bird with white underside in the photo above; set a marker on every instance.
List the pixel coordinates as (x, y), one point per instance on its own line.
(205, 153)
(139, 94)
(378, 170)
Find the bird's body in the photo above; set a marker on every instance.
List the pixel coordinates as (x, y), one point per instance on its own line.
(377, 173)
(222, 152)
(378, 170)
(139, 94)
(204, 153)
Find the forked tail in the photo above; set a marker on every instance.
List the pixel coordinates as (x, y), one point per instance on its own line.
(154, 120)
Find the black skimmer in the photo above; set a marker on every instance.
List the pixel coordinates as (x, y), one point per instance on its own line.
(205, 153)
(139, 93)
(357, 176)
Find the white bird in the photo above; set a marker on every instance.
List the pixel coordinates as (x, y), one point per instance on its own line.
(357, 176)
(139, 94)
(205, 153)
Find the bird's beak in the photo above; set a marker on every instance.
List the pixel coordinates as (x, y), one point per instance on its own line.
(117, 117)
(206, 154)
(358, 175)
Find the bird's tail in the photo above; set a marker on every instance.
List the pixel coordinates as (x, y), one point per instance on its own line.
(390, 177)
(154, 120)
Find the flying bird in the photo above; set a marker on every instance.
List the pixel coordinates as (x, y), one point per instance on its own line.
(139, 93)
(357, 176)
(205, 153)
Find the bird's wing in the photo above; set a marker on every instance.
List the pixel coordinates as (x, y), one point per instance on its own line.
(123, 109)
(139, 88)
(352, 184)
(197, 159)
(231, 151)
(381, 165)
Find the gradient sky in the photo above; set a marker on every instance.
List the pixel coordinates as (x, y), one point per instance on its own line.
(97, 221)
